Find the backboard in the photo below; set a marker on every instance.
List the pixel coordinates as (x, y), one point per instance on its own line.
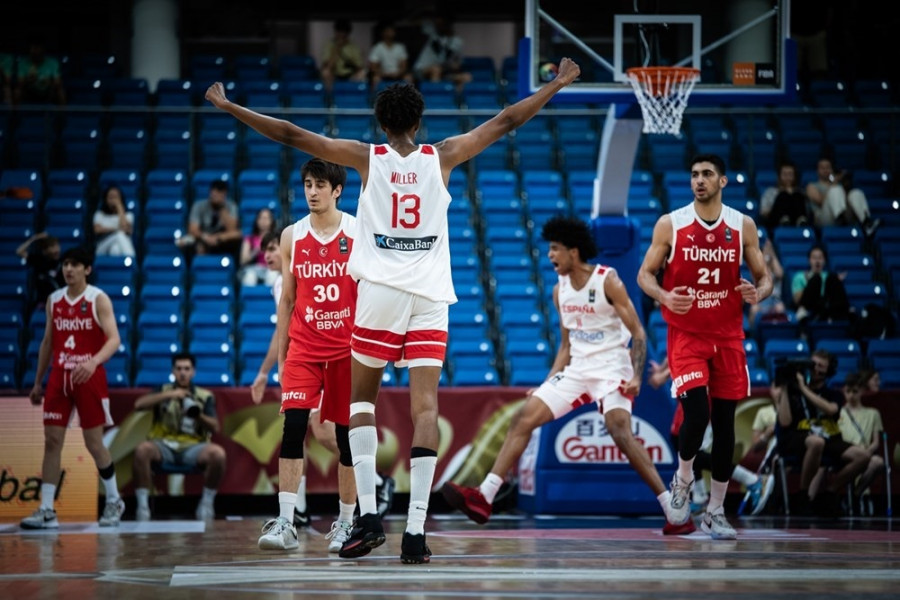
(741, 48)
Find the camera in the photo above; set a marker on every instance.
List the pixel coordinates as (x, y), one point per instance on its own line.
(786, 370)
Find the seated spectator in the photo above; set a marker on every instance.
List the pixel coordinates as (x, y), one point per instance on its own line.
(41, 253)
(831, 200)
(441, 57)
(254, 269)
(870, 381)
(861, 426)
(113, 225)
(342, 58)
(784, 203)
(213, 226)
(184, 419)
(38, 79)
(388, 59)
(818, 294)
(856, 205)
(808, 433)
(772, 308)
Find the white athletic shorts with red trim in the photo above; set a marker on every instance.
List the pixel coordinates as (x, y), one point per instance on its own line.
(589, 380)
(394, 325)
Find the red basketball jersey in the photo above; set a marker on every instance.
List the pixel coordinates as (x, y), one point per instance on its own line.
(325, 307)
(77, 335)
(707, 259)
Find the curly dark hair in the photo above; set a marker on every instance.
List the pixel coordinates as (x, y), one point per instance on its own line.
(399, 107)
(571, 232)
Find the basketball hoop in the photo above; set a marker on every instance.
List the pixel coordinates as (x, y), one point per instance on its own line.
(663, 95)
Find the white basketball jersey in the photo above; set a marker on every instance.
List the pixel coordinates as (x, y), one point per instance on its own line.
(593, 323)
(402, 233)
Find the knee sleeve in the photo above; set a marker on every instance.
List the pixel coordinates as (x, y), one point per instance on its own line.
(695, 403)
(295, 423)
(342, 434)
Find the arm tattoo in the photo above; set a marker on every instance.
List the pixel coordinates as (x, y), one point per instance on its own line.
(638, 355)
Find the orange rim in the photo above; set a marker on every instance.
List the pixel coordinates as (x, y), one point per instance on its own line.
(655, 79)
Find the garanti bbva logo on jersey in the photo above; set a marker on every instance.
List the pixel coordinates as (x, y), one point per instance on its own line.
(387, 242)
(343, 245)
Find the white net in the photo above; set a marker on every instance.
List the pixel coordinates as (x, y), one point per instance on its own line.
(663, 95)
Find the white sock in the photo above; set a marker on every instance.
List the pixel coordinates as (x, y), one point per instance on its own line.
(142, 495)
(421, 478)
(664, 499)
(48, 492)
(208, 496)
(378, 480)
(346, 511)
(286, 501)
(490, 486)
(686, 470)
(717, 496)
(112, 490)
(301, 495)
(744, 476)
(363, 445)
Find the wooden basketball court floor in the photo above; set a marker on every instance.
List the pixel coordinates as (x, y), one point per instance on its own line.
(511, 557)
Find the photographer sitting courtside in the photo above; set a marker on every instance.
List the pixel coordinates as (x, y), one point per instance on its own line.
(184, 419)
(808, 432)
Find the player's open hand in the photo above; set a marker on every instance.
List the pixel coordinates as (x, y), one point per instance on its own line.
(568, 71)
(216, 94)
(37, 393)
(679, 300)
(748, 291)
(83, 371)
(258, 388)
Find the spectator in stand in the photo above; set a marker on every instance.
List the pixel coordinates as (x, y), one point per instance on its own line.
(856, 205)
(388, 59)
(41, 253)
(342, 58)
(113, 225)
(772, 308)
(784, 203)
(38, 79)
(862, 426)
(254, 269)
(213, 226)
(818, 294)
(870, 381)
(441, 57)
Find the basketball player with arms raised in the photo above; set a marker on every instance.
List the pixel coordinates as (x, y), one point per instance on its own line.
(402, 262)
(700, 247)
(315, 317)
(81, 334)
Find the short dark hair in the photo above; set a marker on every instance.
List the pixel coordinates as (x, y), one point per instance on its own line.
(399, 107)
(269, 237)
(333, 173)
(715, 159)
(343, 25)
(184, 356)
(78, 254)
(220, 185)
(571, 232)
(854, 380)
(820, 248)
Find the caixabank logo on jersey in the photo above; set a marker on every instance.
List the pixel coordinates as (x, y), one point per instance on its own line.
(387, 242)
(586, 440)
